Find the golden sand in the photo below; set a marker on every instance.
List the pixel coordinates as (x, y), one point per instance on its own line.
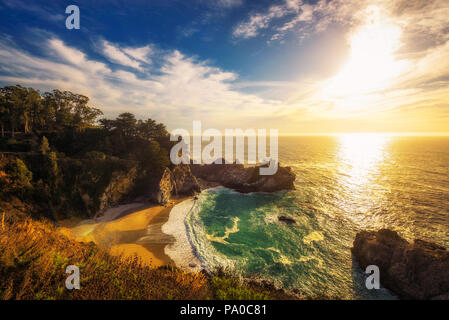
(129, 230)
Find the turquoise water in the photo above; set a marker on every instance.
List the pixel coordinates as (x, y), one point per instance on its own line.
(344, 184)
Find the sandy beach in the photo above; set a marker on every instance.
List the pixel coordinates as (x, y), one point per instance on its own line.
(180, 250)
(128, 230)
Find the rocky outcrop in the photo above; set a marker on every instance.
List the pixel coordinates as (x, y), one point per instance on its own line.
(178, 181)
(185, 182)
(119, 187)
(286, 220)
(418, 270)
(162, 187)
(245, 179)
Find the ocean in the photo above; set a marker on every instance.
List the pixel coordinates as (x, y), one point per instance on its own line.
(344, 184)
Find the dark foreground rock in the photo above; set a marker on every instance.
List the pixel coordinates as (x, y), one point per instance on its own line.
(418, 270)
(286, 220)
(245, 179)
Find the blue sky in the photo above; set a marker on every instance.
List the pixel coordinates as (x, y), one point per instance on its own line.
(299, 66)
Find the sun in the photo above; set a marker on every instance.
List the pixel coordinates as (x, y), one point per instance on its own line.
(371, 65)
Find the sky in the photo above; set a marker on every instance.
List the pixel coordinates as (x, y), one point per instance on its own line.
(299, 66)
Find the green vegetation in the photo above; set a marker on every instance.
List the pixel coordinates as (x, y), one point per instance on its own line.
(67, 153)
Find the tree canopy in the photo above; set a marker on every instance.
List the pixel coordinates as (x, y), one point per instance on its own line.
(27, 110)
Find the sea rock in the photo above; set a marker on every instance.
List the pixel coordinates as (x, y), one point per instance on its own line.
(245, 179)
(418, 270)
(286, 220)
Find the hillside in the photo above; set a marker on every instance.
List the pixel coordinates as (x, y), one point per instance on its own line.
(34, 256)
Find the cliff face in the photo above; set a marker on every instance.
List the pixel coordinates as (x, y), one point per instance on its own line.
(178, 181)
(102, 184)
(120, 186)
(182, 180)
(239, 178)
(418, 270)
(185, 182)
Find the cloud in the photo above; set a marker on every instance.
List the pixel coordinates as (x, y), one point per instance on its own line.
(39, 9)
(140, 54)
(175, 88)
(122, 57)
(415, 91)
(229, 3)
(181, 90)
(259, 21)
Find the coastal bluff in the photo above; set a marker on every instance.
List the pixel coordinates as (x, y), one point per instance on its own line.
(184, 179)
(245, 179)
(418, 270)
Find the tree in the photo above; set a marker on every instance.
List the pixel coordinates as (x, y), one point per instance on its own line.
(14, 97)
(64, 109)
(152, 157)
(19, 106)
(4, 111)
(51, 170)
(20, 176)
(44, 147)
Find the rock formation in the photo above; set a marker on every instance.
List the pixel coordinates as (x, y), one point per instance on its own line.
(178, 181)
(418, 270)
(286, 220)
(120, 185)
(161, 187)
(245, 179)
(186, 183)
(182, 180)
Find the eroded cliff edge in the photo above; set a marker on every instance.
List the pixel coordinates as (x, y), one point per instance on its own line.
(418, 270)
(245, 179)
(187, 179)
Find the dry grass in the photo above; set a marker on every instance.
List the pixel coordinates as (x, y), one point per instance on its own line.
(34, 256)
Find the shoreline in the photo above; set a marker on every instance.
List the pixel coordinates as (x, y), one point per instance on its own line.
(133, 229)
(181, 250)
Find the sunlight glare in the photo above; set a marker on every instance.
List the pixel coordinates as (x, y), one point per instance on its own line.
(361, 153)
(371, 65)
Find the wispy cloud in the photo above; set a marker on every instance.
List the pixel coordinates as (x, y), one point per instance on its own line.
(259, 21)
(181, 90)
(140, 54)
(38, 9)
(125, 57)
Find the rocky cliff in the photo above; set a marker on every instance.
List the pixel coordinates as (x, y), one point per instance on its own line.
(245, 179)
(418, 270)
(101, 187)
(178, 181)
(120, 186)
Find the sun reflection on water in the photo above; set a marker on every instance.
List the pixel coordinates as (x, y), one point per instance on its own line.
(360, 156)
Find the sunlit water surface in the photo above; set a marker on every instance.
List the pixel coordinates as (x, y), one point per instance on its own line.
(344, 184)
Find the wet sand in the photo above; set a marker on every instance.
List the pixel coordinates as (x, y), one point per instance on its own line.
(129, 230)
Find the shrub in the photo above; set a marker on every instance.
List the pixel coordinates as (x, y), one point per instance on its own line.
(95, 155)
(19, 175)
